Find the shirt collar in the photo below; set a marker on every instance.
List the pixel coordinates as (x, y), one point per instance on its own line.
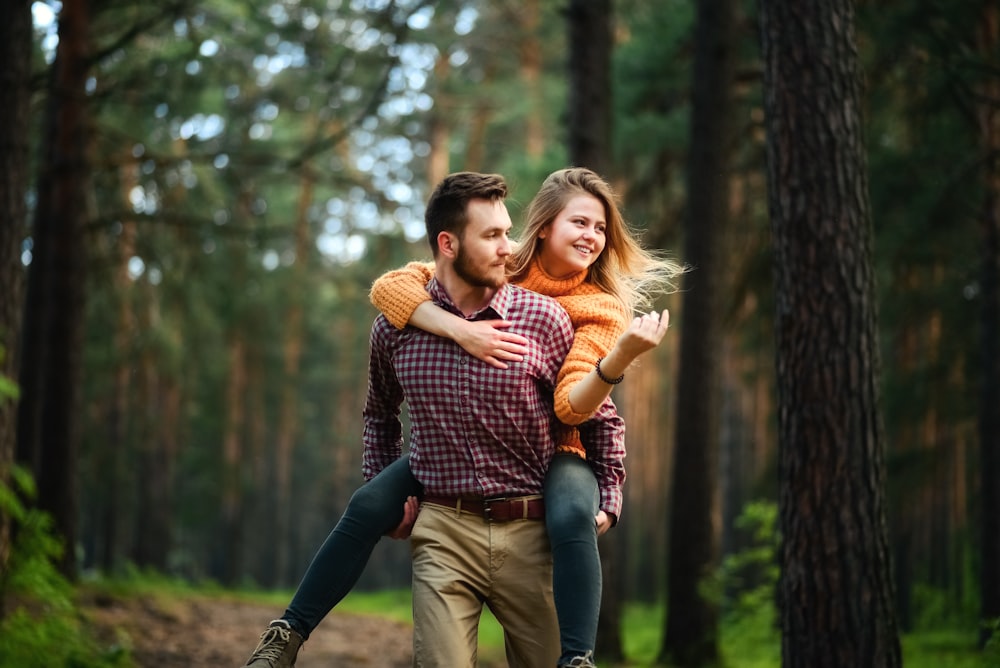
(497, 308)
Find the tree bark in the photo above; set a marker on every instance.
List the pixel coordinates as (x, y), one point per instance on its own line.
(438, 130)
(53, 327)
(589, 111)
(111, 456)
(989, 415)
(15, 47)
(530, 55)
(232, 458)
(158, 402)
(479, 123)
(288, 420)
(691, 629)
(836, 588)
(588, 131)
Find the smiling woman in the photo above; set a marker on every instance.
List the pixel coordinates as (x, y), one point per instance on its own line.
(576, 237)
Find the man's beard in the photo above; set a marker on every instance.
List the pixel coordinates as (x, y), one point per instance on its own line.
(473, 275)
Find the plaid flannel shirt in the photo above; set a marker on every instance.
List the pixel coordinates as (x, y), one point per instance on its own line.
(476, 430)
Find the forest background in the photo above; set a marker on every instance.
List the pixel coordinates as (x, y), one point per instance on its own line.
(240, 171)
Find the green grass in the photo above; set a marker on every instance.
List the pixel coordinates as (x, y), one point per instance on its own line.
(954, 648)
(396, 605)
(746, 642)
(752, 643)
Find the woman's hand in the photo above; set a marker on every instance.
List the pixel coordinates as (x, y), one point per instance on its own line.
(645, 333)
(486, 340)
(603, 522)
(410, 509)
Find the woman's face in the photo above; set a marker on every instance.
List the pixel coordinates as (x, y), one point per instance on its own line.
(575, 238)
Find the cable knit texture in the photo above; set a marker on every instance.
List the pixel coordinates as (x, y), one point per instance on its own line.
(598, 320)
(398, 293)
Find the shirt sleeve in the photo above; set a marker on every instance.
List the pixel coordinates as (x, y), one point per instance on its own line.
(603, 437)
(559, 346)
(399, 292)
(383, 434)
(598, 320)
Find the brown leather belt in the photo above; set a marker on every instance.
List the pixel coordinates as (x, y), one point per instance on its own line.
(494, 510)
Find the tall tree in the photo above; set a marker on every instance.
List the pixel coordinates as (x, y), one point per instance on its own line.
(836, 587)
(588, 116)
(53, 327)
(589, 26)
(289, 426)
(989, 416)
(527, 15)
(15, 47)
(691, 627)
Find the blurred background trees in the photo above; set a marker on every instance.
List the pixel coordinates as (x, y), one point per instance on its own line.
(212, 186)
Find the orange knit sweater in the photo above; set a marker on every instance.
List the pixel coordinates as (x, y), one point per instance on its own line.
(598, 320)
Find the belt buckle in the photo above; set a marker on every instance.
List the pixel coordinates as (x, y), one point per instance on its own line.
(488, 507)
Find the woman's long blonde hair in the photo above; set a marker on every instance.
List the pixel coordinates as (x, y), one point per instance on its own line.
(625, 269)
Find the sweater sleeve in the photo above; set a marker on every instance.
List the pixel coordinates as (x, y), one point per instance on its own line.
(399, 292)
(598, 319)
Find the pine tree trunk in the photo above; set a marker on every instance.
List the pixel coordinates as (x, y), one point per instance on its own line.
(475, 153)
(589, 109)
(53, 327)
(589, 25)
(231, 545)
(15, 47)
(158, 396)
(111, 453)
(691, 629)
(260, 561)
(530, 52)
(288, 421)
(438, 130)
(836, 588)
(989, 414)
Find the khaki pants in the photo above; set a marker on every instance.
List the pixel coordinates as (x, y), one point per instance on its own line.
(460, 562)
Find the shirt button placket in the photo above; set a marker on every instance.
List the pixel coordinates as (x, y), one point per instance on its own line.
(464, 382)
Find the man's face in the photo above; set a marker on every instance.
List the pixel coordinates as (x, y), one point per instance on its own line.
(484, 247)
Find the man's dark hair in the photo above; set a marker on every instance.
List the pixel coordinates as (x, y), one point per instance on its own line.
(446, 208)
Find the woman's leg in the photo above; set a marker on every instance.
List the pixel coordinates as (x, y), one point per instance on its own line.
(375, 508)
(571, 502)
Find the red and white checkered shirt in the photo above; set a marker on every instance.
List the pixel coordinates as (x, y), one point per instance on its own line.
(477, 430)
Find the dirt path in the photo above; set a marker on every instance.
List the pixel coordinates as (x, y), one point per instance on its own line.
(204, 632)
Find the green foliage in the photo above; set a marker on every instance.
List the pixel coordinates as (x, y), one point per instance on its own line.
(8, 388)
(750, 633)
(752, 573)
(944, 647)
(642, 625)
(991, 653)
(43, 620)
(31, 570)
(936, 608)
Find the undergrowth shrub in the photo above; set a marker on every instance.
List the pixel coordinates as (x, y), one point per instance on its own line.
(41, 626)
(749, 579)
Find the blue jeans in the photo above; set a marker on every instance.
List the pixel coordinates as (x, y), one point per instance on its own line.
(571, 502)
(374, 509)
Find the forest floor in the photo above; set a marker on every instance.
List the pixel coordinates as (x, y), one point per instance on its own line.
(201, 631)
